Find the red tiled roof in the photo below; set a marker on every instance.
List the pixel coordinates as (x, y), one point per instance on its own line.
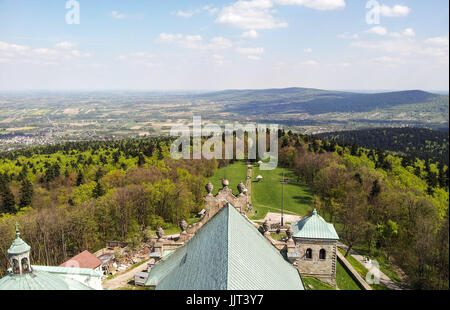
(83, 260)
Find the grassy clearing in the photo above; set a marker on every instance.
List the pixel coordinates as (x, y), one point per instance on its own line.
(344, 280)
(235, 173)
(362, 270)
(266, 194)
(315, 284)
(386, 266)
(278, 236)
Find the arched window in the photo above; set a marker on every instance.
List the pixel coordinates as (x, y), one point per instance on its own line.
(308, 254)
(15, 266)
(322, 254)
(25, 266)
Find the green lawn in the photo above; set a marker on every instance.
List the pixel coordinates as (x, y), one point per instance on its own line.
(266, 194)
(315, 284)
(362, 270)
(235, 173)
(343, 280)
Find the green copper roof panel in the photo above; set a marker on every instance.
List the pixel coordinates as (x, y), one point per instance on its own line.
(69, 270)
(314, 227)
(18, 247)
(228, 252)
(40, 280)
(253, 262)
(165, 266)
(202, 262)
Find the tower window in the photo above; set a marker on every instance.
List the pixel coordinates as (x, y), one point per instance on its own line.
(308, 254)
(15, 266)
(322, 254)
(25, 266)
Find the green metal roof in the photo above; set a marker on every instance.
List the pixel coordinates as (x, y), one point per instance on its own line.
(40, 280)
(228, 252)
(69, 270)
(314, 227)
(18, 246)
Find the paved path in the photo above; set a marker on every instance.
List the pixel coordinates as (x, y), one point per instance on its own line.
(249, 183)
(273, 217)
(122, 279)
(384, 279)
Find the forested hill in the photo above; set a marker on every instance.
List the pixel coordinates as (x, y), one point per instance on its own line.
(416, 142)
(316, 101)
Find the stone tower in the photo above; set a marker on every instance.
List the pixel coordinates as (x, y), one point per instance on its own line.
(315, 247)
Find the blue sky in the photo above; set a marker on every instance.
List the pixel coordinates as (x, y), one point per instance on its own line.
(187, 45)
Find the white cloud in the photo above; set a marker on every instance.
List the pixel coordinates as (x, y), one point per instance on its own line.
(169, 38)
(13, 53)
(185, 14)
(307, 50)
(251, 15)
(315, 4)
(8, 47)
(438, 41)
(195, 41)
(218, 59)
(309, 63)
(65, 45)
(117, 15)
(395, 11)
(382, 31)
(136, 55)
(253, 57)
(387, 60)
(343, 64)
(188, 14)
(219, 43)
(379, 30)
(45, 51)
(409, 32)
(348, 36)
(399, 47)
(139, 59)
(408, 48)
(250, 50)
(259, 14)
(250, 34)
(77, 53)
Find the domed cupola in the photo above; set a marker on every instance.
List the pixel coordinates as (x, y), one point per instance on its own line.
(19, 255)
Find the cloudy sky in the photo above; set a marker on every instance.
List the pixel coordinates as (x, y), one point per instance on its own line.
(199, 45)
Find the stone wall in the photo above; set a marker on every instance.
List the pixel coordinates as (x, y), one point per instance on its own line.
(213, 203)
(323, 269)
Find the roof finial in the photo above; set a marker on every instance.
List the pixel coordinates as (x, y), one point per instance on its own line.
(314, 211)
(17, 230)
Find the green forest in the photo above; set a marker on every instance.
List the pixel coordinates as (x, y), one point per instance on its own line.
(75, 196)
(415, 142)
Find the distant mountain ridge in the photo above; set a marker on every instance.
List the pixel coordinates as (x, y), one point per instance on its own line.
(316, 101)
